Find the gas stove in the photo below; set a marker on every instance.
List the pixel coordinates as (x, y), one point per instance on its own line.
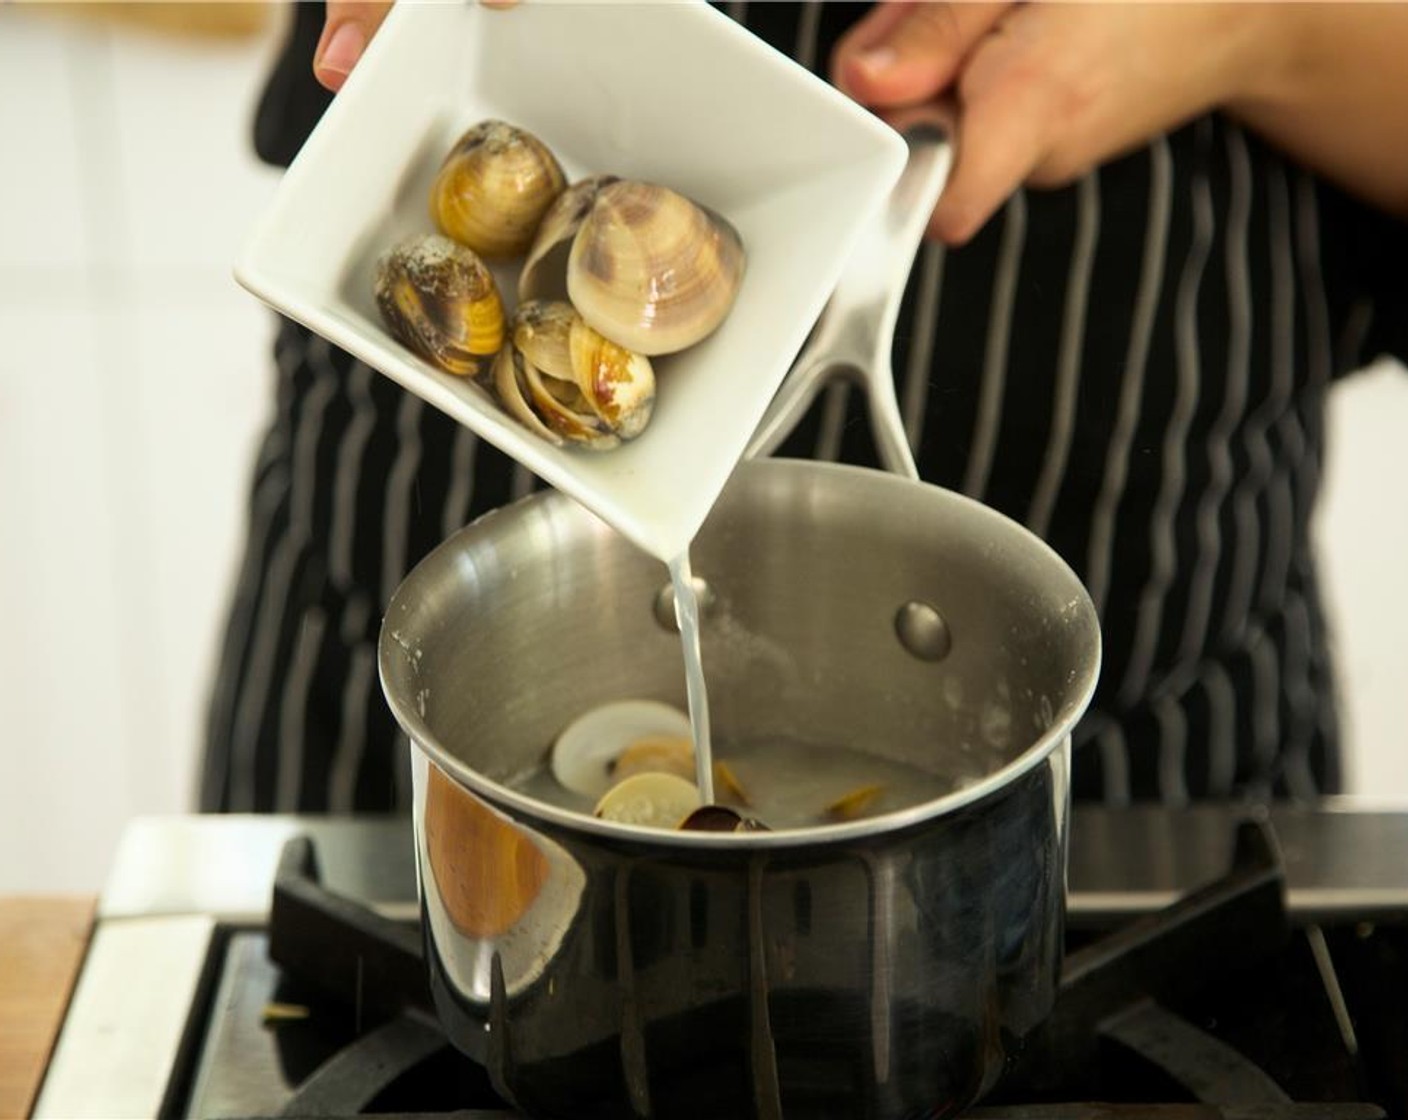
(1218, 965)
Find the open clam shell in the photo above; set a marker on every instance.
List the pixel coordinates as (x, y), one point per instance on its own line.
(544, 274)
(563, 377)
(585, 753)
(511, 386)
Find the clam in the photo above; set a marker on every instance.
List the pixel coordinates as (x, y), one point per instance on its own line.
(656, 754)
(720, 818)
(854, 804)
(653, 800)
(438, 298)
(567, 383)
(727, 781)
(585, 755)
(647, 268)
(494, 188)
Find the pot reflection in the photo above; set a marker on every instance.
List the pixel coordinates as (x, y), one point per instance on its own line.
(500, 896)
(487, 871)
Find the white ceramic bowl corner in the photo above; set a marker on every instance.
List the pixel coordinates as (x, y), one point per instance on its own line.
(671, 93)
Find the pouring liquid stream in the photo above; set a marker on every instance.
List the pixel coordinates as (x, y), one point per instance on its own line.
(687, 617)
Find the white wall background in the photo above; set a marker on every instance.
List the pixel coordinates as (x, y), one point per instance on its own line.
(133, 381)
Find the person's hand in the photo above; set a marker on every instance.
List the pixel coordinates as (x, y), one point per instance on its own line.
(1044, 92)
(347, 29)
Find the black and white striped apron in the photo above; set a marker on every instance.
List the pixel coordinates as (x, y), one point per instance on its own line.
(1135, 367)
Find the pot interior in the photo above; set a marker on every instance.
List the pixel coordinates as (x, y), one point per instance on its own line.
(823, 582)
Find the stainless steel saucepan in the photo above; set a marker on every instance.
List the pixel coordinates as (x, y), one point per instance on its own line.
(874, 968)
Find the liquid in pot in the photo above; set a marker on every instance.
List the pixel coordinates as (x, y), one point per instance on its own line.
(791, 784)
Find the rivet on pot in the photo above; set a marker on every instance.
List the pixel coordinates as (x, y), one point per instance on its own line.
(665, 603)
(923, 631)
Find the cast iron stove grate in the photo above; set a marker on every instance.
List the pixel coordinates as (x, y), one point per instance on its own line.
(1132, 1024)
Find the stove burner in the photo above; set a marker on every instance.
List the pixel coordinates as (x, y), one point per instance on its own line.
(1120, 994)
(367, 962)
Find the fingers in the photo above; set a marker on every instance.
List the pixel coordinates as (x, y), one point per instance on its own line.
(1004, 133)
(904, 53)
(348, 29)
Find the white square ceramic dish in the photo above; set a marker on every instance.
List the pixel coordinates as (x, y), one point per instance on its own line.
(671, 93)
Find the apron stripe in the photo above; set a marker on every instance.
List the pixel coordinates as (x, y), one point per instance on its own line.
(1173, 748)
(808, 32)
(1171, 486)
(1102, 532)
(1234, 403)
(400, 496)
(293, 711)
(1319, 356)
(1266, 709)
(460, 498)
(1114, 764)
(1300, 782)
(256, 683)
(1222, 730)
(352, 739)
(256, 688)
(1254, 540)
(1009, 262)
(1068, 370)
(269, 499)
(1280, 531)
(347, 482)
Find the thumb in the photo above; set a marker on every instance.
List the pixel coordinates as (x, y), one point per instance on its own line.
(905, 53)
(347, 30)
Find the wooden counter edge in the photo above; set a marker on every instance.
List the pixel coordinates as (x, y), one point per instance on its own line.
(42, 942)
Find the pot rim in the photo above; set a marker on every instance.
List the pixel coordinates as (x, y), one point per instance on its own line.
(505, 797)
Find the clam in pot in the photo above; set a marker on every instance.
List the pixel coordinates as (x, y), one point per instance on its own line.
(880, 967)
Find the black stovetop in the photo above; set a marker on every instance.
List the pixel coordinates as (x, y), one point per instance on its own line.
(1215, 1008)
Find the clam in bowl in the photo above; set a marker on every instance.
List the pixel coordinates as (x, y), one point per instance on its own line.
(674, 94)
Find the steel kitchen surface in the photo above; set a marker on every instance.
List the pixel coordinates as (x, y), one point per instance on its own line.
(1225, 1003)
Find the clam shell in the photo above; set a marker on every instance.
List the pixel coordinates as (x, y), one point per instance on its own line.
(656, 754)
(544, 274)
(438, 298)
(584, 753)
(651, 270)
(726, 780)
(720, 818)
(562, 408)
(511, 387)
(541, 329)
(584, 388)
(493, 189)
(854, 804)
(651, 800)
(618, 384)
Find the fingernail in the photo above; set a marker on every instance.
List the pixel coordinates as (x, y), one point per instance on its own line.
(876, 61)
(343, 49)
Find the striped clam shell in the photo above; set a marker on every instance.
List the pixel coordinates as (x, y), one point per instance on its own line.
(494, 188)
(646, 267)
